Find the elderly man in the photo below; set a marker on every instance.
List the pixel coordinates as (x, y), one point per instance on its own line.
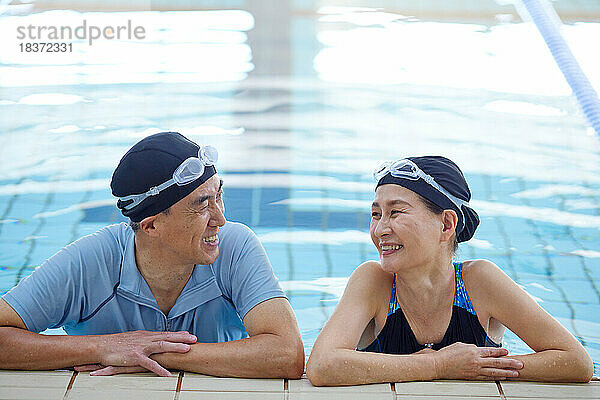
(177, 288)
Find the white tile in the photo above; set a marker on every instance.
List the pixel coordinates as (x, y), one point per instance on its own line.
(35, 379)
(28, 393)
(193, 381)
(448, 388)
(142, 381)
(101, 393)
(342, 396)
(436, 397)
(304, 386)
(193, 395)
(514, 390)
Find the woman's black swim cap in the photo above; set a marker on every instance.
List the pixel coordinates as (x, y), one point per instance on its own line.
(447, 174)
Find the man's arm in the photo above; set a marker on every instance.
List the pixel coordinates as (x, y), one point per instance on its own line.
(273, 350)
(22, 349)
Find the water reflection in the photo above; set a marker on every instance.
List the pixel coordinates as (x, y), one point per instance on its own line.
(387, 48)
(195, 46)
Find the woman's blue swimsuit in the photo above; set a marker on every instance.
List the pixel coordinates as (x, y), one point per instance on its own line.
(397, 337)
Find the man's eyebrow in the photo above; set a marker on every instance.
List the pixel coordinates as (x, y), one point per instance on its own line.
(202, 199)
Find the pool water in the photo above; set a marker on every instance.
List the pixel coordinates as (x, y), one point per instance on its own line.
(301, 114)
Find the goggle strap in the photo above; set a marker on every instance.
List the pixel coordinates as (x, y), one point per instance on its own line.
(138, 198)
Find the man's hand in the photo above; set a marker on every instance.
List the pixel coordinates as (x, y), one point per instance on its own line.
(132, 350)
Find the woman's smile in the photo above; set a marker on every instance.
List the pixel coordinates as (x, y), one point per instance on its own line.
(390, 248)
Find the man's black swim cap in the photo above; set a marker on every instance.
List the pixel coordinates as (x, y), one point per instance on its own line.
(149, 163)
(447, 174)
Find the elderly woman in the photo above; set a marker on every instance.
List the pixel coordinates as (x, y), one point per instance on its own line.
(416, 315)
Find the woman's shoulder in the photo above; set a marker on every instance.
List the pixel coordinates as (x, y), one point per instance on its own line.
(370, 273)
(481, 271)
(484, 280)
(368, 289)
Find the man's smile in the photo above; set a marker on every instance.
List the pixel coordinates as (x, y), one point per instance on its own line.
(211, 240)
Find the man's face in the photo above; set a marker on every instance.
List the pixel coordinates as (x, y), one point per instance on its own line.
(190, 230)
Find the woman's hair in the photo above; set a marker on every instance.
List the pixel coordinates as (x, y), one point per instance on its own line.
(434, 208)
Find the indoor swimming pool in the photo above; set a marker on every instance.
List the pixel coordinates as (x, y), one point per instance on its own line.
(301, 114)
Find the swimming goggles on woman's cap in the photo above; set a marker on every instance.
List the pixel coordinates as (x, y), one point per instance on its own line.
(406, 169)
(188, 171)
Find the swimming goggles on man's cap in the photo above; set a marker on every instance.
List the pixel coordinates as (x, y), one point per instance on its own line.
(406, 169)
(188, 171)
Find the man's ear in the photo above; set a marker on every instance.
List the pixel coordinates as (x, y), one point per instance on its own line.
(148, 226)
(449, 222)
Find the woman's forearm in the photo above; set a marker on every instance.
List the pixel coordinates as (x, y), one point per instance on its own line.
(349, 367)
(556, 366)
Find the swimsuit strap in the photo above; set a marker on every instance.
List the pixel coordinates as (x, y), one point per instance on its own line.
(461, 297)
(393, 300)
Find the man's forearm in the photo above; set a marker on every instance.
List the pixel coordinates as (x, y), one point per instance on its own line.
(22, 349)
(260, 356)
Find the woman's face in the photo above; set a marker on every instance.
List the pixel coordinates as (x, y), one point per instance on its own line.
(404, 231)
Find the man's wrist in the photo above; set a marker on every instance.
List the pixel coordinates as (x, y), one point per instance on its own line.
(164, 359)
(93, 345)
(172, 360)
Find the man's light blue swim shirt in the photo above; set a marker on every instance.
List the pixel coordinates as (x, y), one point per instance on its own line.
(93, 286)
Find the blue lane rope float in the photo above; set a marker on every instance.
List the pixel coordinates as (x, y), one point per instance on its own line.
(548, 24)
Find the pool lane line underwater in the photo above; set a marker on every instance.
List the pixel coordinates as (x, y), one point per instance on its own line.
(550, 268)
(587, 271)
(548, 24)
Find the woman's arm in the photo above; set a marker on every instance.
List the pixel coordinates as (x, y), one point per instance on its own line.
(334, 360)
(558, 357)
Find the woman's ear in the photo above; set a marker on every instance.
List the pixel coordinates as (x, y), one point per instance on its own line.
(449, 222)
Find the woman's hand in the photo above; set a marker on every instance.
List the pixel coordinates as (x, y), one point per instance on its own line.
(467, 361)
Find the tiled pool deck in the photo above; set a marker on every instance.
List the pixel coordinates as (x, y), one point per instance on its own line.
(21, 385)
